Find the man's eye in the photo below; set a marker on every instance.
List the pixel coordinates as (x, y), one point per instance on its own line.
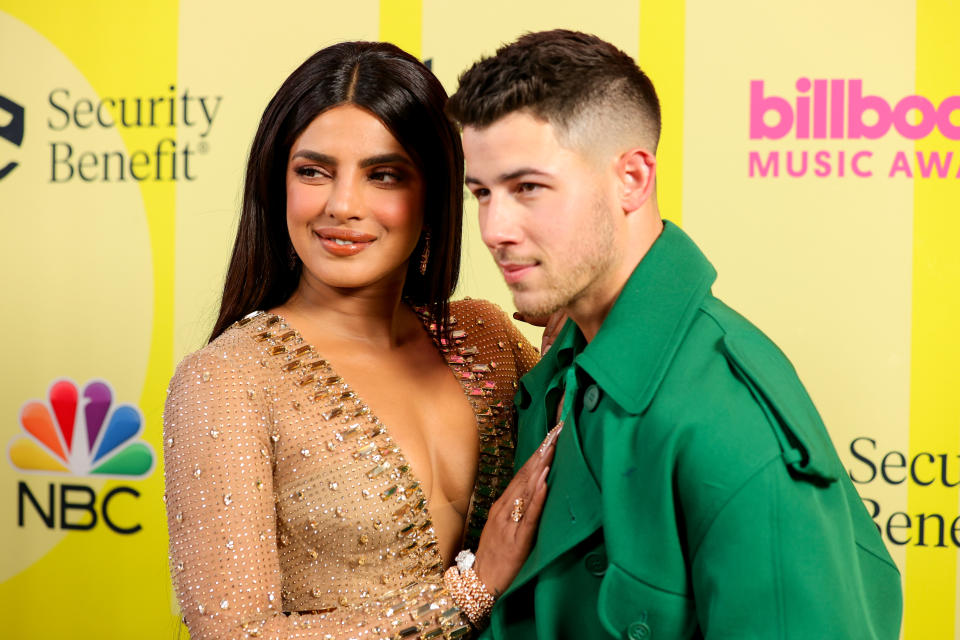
(528, 187)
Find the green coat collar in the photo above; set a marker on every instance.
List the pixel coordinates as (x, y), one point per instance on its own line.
(636, 342)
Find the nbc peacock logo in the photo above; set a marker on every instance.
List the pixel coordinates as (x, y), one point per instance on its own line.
(81, 433)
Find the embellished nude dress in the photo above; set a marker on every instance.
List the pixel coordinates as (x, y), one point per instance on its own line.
(292, 513)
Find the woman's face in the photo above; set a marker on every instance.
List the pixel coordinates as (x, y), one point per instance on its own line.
(354, 201)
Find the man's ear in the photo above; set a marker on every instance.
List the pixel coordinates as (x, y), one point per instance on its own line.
(637, 171)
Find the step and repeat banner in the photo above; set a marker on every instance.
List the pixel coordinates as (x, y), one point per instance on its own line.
(811, 149)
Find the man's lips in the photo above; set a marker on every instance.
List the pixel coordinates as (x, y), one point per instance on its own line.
(515, 271)
(341, 242)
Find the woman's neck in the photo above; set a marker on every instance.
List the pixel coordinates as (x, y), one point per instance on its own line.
(374, 315)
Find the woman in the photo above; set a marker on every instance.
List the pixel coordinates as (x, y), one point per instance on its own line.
(323, 466)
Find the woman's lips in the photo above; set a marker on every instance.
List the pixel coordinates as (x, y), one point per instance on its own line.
(344, 242)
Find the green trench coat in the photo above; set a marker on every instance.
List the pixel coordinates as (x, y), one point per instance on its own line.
(695, 492)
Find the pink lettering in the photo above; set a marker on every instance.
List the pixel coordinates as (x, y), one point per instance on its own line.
(947, 128)
(772, 164)
(760, 105)
(839, 109)
(900, 163)
(855, 164)
(928, 117)
(942, 167)
(858, 105)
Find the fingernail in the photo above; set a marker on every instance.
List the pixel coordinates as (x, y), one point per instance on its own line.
(551, 437)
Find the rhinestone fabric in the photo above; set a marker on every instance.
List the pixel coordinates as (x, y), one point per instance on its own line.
(292, 513)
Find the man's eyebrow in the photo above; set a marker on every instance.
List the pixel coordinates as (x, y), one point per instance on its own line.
(511, 175)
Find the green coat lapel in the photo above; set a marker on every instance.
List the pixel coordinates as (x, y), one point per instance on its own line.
(572, 511)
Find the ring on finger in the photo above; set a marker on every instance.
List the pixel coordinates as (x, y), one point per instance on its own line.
(517, 513)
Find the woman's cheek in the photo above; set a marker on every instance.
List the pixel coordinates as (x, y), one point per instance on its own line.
(302, 204)
(398, 209)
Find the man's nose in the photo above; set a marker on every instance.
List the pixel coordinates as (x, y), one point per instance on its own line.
(499, 222)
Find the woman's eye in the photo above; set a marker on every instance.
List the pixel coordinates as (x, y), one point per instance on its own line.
(385, 176)
(309, 172)
(481, 193)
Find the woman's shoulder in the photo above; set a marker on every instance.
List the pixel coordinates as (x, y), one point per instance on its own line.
(232, 351)
(485, 324)
(474, 309)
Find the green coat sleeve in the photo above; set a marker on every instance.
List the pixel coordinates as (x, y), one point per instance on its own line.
(784, 559)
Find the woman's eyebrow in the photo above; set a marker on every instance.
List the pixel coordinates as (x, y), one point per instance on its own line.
(315, 156)
(386, 158)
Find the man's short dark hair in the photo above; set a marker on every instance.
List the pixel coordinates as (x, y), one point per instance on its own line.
(568, 78)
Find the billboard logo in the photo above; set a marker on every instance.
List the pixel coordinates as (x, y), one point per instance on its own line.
(12, 131)
(79, 433)
(838, 109)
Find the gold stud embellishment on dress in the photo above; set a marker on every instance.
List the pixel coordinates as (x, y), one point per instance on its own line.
(206, 376)
(228, 499)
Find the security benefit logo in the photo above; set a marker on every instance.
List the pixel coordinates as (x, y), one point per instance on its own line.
(11, 130)
(163, 134)
(79, 434)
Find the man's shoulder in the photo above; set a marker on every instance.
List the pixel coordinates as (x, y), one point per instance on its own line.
(732, 382)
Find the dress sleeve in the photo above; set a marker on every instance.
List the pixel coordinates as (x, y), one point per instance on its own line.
(223, 524)
(525, 354)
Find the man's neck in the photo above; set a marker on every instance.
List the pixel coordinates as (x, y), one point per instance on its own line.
(590, 310)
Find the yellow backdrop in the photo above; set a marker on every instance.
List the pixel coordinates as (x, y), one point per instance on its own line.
(811, 149)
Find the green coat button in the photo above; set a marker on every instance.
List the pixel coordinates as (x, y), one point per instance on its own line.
(591, 397)
(638, 631)
(596, 563)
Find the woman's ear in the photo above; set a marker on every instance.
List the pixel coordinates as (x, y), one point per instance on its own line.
(637, 170)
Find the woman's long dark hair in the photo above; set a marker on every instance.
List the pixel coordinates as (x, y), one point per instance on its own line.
(409, 100)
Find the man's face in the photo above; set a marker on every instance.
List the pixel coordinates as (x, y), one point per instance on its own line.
(547, 213)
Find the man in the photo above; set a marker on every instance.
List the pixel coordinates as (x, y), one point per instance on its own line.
(695, 492)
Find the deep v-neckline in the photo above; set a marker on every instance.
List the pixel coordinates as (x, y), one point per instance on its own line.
(451, 360)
